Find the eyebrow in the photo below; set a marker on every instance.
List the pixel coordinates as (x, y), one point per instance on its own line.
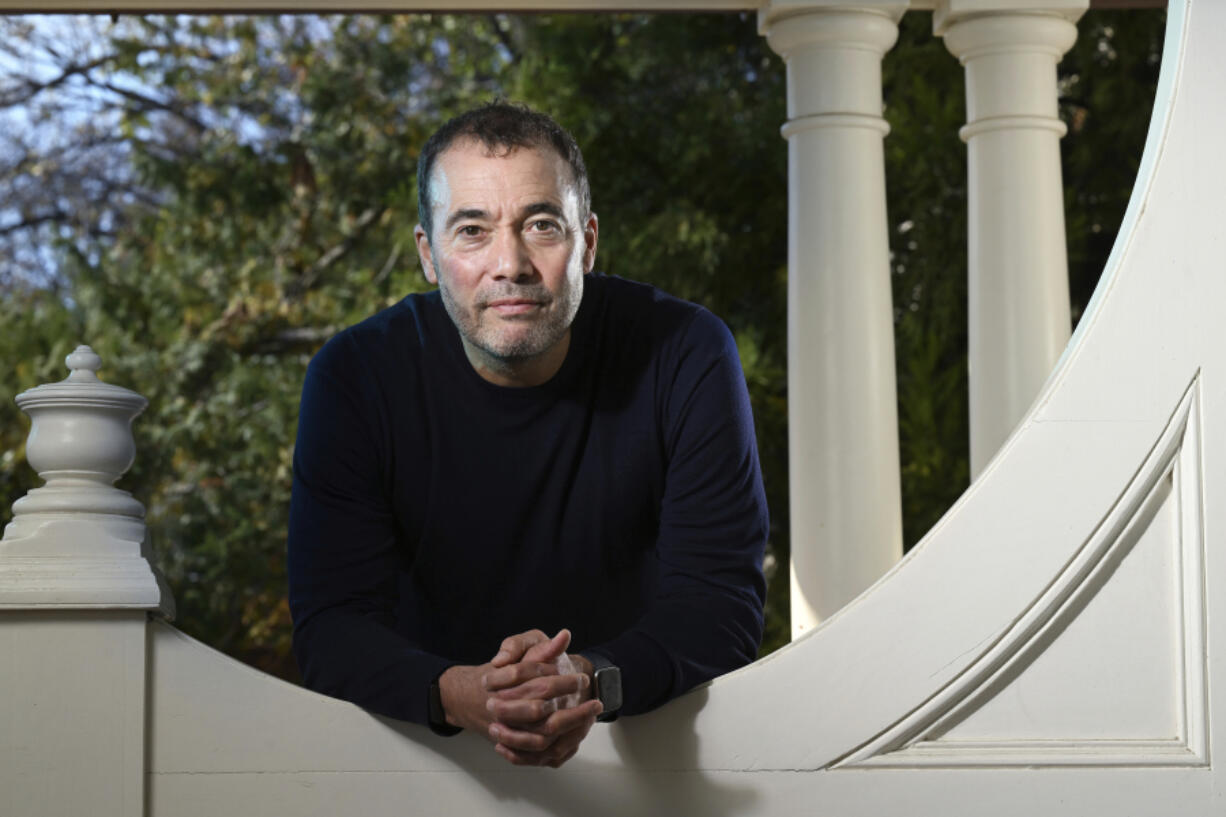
(536, 208)
(546, 207)
(461, 215)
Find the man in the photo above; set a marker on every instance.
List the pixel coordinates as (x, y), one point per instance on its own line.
(531, 448)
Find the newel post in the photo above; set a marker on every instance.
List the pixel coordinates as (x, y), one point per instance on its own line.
(846, 516)
(1018, 296)
(76, 590)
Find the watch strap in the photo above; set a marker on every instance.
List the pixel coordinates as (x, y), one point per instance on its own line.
(607, 686)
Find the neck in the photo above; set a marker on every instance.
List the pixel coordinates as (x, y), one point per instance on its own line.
(518, 372)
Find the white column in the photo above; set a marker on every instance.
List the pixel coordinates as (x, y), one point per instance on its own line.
(846, 523)
(1018, 262)
(76, 589)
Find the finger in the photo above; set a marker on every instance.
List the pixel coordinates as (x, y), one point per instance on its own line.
(543, 686)
(506, 706)
(561, 751)
(519, 740)
(514, 647)
(521, 713)
(549, 649)
(551, 758)
(557, 764)
(565, 724)
(517, 758)
(520, 758)
(515, 674)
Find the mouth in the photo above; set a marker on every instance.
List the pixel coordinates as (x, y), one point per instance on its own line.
(514, 306)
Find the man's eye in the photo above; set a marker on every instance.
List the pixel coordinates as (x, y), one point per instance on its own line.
(470, 231)
(544, 226)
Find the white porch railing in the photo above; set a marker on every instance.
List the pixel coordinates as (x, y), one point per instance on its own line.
(1048, 649)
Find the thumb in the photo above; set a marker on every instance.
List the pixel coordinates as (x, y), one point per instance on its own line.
(549, 650)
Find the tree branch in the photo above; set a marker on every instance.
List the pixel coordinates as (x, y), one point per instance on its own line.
(335, 253)
(150, 103)
(34, 88)
(30, 222)
(291, 339)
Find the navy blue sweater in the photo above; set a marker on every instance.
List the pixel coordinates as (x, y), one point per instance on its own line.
(435, 513)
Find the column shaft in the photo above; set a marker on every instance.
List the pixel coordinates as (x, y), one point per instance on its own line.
(1018, 264)
(846, 520)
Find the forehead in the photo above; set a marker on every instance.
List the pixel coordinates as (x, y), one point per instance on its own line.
(469, 174)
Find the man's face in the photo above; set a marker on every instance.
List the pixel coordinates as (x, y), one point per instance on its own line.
(508, 252)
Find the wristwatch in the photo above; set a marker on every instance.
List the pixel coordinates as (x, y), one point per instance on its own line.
(607, 680)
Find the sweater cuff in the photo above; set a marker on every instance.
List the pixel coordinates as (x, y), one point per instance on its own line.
(436, 717)
(647, 670)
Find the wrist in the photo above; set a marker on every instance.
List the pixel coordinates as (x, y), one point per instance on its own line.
(439, 717)
(583, 665)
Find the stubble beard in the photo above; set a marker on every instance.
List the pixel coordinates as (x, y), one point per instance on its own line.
(508, 343)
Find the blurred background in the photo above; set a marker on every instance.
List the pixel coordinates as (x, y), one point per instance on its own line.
(206, 200)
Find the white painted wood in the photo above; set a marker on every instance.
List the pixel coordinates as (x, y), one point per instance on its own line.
(75, 585)
(72, 713)
(1111, 657)
(1097, 531)
(79, 541)
(1018, 263)
(946, 12)
(846, 511)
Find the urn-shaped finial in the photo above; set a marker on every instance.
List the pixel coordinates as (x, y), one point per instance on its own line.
(79, 541)
(81, 437)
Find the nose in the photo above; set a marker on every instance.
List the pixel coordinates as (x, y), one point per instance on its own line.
(512, 261)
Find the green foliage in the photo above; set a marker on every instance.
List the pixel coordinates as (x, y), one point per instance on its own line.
(926, 189)
(1107, 87)
(273, 161)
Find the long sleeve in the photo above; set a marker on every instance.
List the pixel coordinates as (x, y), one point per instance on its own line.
(706, 615)
(344, 554)
(434, 513)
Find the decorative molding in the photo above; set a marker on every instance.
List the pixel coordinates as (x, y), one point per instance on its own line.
(774, 11)
(1012, 123)
(871, 28)
(947, 12)
(834, 120)
(1172, 472)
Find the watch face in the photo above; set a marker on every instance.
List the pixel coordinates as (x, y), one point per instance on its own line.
(609, 690)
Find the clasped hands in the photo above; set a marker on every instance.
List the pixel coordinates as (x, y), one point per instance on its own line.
(514, 699)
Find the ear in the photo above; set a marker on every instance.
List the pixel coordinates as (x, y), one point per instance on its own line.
(425, 253)
(591, 232)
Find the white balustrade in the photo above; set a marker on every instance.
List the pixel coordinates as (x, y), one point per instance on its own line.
(846, 513)
(76, 590)
(1018, 263)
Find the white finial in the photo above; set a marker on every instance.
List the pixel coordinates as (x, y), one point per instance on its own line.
(83, 363)
(79, 541)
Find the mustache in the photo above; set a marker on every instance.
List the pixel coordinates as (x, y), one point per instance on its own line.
(526, 292)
